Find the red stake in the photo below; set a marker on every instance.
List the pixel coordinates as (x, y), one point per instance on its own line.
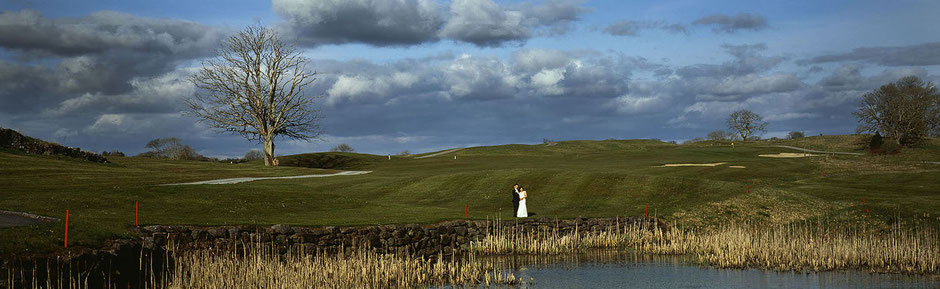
(747, 189)
(466, 211)
(863, 201)
(136, 215)
(66, 228)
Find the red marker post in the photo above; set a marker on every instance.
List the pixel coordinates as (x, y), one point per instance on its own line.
(466, 211)
(66, 228)
(136, 215)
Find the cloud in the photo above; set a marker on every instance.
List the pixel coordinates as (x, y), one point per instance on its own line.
(911, 55)
(103, 31)
(731, 24)
(375, 22)
(483, 23)
(790, 116)
(487, 24)
(632, 28)
(100, 55)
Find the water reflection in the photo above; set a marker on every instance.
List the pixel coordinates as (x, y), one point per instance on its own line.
(611, 269)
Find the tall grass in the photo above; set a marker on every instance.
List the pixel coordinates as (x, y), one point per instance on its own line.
(900, 249)
(358, 268)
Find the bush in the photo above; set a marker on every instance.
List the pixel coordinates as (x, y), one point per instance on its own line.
(404, 153)
(795, 135)
(546, 141)
(891, 147)
(342, 148)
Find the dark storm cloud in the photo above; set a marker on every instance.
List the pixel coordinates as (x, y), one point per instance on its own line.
(99, 32)
(375, 22)
(102, 54)
(919, 54)
(731, 24)
(412, 22)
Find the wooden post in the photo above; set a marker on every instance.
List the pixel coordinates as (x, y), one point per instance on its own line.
(136, 215)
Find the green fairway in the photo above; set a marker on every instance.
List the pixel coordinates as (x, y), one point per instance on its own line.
(567, 179)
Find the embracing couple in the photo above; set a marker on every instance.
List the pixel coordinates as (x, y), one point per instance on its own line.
(518, 201)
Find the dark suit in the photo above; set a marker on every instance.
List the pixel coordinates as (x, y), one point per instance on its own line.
(515, 201)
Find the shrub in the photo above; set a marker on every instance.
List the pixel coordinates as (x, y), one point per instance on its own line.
(795, 135)
(404, 153)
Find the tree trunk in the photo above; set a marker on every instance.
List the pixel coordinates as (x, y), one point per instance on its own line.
(269, 151)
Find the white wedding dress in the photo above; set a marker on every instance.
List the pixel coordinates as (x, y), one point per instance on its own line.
(522, 212)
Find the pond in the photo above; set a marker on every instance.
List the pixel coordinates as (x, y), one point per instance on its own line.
(626, 270)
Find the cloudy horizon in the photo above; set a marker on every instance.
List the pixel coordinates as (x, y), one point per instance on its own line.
(426, 75)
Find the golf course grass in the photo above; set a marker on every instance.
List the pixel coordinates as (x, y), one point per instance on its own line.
(564, 180)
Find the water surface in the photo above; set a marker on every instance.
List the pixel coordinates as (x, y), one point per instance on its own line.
(626, 270)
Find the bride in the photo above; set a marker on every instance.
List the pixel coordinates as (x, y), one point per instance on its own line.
(522, 212)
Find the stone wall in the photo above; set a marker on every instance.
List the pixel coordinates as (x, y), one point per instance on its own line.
(450, 237)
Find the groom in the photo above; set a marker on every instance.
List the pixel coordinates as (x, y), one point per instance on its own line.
(515, 199)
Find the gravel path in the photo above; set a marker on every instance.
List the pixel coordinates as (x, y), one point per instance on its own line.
(815, 151)
(440, 153)
(13, 219)
(242, 180)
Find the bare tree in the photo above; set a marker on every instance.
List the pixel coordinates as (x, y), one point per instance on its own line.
(342, 148)
(254, 88)
(746, 123)
(253, 154)
(906, 110)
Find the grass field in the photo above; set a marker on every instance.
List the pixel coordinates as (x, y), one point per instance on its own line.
(568, 179)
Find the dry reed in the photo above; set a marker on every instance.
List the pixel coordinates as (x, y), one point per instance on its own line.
(913, 249)
(358, 268)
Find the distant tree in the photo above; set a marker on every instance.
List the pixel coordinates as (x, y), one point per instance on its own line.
(906, 111)
(404, 153)
(746, 123)
(255, 88)
(795, 135)
(342, 148)
(113, 153)
(720, 135)
(170, 148)
(694, 140)
(252, 155)
(546, 141)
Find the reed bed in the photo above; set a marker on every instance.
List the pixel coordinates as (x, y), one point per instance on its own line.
(358, 268)
(900, 249)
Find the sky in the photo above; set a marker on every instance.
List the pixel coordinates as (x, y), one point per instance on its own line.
(427, 75)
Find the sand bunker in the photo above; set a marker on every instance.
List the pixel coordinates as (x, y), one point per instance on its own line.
(737, 167)
(789, 155)
(691, 165)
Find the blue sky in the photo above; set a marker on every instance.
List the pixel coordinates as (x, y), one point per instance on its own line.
(424, 75)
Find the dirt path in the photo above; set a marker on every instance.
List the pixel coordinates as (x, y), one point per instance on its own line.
(13, 219)
(439, 153)
(242, 180)
(815, 151)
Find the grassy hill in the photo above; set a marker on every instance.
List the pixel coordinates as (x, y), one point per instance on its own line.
(565, 179)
